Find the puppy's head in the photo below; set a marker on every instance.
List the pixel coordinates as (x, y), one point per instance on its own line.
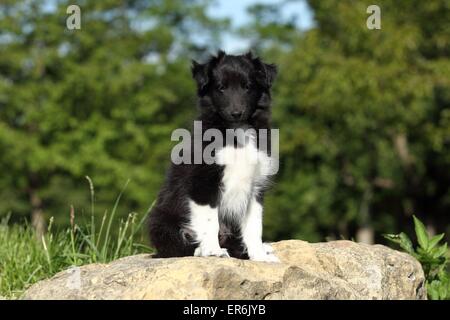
(234, 86)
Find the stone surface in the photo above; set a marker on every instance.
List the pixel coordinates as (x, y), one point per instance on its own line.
(331, 270)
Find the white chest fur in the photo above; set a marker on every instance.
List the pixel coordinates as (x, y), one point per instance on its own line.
(246, 171)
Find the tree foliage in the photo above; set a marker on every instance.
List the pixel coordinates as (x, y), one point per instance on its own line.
(363, 114)
(364, 119)
(100, 102)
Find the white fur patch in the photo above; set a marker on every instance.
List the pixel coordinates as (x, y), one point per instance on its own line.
(252, 235)
(246, 171)
(238, 178)
(204, 221)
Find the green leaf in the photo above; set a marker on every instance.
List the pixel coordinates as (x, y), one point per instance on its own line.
(443, 292)
(435, 240)
(422, 252)
(406, 243)
(402, 240)
(441, 251)
(421, 233)
(392, 237)
(432, 290)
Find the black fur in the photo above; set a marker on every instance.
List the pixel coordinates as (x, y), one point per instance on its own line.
(233, 92)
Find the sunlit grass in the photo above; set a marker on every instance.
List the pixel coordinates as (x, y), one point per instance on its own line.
(26, 259)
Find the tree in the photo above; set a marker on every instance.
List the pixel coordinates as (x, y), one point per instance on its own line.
(99, 102)
(364, 120)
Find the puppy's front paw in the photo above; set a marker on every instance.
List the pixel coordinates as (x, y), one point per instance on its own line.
(264, 257)
(267, 258)
(211, 252)
(267, 248)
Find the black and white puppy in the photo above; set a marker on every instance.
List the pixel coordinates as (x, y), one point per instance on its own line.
(216, 209)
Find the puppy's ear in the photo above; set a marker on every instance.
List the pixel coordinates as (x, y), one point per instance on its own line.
(249, 55)
(220, 55)
(266, 72)
(200, 74)
(271, 72)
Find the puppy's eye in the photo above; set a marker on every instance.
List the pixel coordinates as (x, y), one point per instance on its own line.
(221, 88)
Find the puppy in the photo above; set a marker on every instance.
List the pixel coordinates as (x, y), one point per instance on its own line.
(216, 209)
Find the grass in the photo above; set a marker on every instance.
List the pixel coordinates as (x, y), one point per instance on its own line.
(432, 253)
(26, 259)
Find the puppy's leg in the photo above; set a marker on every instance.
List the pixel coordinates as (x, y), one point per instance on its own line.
(252, 234)
(204, 221)
(268, 248)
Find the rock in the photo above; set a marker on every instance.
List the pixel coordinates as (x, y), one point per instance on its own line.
(331, 270)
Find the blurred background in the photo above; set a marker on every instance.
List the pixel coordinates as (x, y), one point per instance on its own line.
(364, 115)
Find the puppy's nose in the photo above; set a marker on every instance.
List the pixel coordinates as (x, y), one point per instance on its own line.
(236, 114)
